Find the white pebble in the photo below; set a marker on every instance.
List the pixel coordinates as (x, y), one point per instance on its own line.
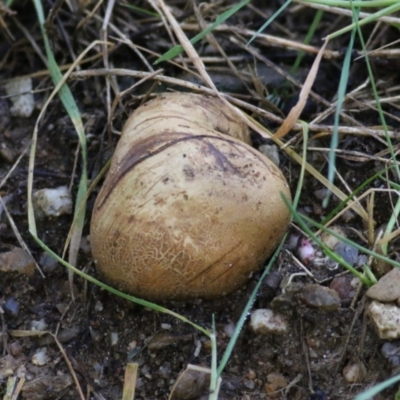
(24, 104)
(40, 357)
(354, 372)
(114, 338)
(386, 319)
(53, 202)
(229, 329)
(264, 321)
(39, 325)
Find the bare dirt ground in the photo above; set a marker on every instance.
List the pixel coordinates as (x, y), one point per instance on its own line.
(98, 333)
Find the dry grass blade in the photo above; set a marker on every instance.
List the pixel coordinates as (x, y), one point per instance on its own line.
(298, 108)
(18, 389)
(130, 381)
(188, 47)
(71, 369)
(13, 388)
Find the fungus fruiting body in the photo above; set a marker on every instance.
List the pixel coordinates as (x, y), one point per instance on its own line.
(188, 209)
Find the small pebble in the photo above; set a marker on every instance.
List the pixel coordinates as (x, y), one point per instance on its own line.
(250, 385)
(24, 104)
(52, 202)
(273, 279)
(38, 325)
(15, 348)
(251, 375)
(362, 260)
(17, 260)
(191, 383)
(275, 382)
(11, 306)
(347, 252)
(6, 153)
(277, 379)
(98, 306)
(385, 318)
(353, 373)
(61, 307)
(391, 352)
(347, 216)
(95, 334)
(321, 297)
(48, 263)
(387, 289)
(389, 349)
(265, 321)
(40, 358)
(165, 371)
(229, 329)
(345, 286)
(113, 338)
(132, 345)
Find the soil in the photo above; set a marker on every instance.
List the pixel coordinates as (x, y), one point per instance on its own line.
(99, 333)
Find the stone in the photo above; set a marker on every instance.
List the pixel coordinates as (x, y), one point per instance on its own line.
(21, 96)
(345, 286)
(17, 260)
(354, 373)
(320, 297)
(265, 321)
(191, 383)
(386, 319)
(388, 287)
(52, 202)
(347, 252)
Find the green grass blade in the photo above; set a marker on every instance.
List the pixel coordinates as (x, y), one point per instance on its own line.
(344, 77)
(176, 50)
(270, 19)
(215, 379)
(141, 10)
(72, 110)
(370, 393)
